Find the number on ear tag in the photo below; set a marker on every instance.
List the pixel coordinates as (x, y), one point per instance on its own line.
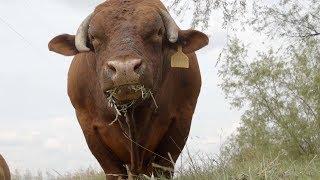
(179, 59)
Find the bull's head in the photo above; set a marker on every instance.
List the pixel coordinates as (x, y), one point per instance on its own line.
(132, 46)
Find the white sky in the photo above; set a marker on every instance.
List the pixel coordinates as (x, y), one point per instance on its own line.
(38, 129)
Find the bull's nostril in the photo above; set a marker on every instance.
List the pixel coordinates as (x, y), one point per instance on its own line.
(112, 68)
(137, 66)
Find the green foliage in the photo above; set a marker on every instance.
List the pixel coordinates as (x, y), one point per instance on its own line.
(281, 97)
(279, 88)
(286, 18)
(203, 10)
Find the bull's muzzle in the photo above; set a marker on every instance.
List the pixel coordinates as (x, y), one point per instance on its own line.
(125, 72)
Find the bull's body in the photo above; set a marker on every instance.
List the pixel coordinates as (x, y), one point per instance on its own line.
(132, 42)
(163, 132)
(4, 169)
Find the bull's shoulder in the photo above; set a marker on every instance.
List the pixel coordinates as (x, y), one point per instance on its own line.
(82, 79)
(187, 82)
(181, 87)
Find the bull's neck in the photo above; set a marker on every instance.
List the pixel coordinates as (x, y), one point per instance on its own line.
(137, 121)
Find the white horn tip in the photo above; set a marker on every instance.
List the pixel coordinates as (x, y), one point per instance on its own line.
(173, 39)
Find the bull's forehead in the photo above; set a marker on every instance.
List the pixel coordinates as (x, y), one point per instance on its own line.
(138, 18)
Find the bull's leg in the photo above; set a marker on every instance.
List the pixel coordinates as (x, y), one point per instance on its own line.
(172, 143)
(112, 166)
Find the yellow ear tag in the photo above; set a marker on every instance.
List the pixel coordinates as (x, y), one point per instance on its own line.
(179, 59)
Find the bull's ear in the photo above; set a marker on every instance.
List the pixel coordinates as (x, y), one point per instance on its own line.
(192, 40)
(63, 44)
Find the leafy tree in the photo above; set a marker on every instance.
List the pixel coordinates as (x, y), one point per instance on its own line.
(203, 10)
(280, 97)
(290, 18)
(278, 85)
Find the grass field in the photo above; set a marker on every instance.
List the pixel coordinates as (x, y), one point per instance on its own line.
(207, 168)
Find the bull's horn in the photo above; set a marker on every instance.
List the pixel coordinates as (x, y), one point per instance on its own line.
(171, 26)
(82, 34)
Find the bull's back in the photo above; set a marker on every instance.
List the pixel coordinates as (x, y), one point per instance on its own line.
(4, 169)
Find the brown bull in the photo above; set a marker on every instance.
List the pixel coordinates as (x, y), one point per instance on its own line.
(4, 170)
(135, 110)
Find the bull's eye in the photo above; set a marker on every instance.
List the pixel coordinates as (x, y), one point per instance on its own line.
(160, 32)
(154, 36)
(94, 41)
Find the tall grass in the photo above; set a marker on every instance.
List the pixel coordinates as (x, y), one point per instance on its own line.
(204, 167)
(81, 174)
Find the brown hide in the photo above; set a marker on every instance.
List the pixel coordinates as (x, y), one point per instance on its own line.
(156, 132)
(4, 170)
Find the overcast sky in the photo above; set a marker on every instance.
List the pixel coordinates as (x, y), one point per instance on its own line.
(38, 128)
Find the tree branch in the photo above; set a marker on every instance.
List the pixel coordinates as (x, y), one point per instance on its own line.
(310, 35)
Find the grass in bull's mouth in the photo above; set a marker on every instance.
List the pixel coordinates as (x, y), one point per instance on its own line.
(121, 109)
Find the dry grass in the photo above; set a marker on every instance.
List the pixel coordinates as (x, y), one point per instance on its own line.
(208, 168)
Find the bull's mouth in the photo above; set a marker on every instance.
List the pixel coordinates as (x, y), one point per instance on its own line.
(121, 98)
(127, 93)
(123, 94)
